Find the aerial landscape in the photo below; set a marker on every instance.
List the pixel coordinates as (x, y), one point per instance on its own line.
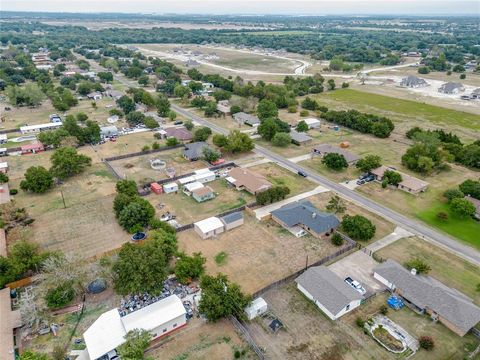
(239, 180)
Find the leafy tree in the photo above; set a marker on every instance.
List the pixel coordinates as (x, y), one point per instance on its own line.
(220, 298)
(82, 117)
(309, 104)
(418, 264)
(105, 76)
(163, 105)
(126, 104)
(336, 205)
(281, 139)
(143, 80)
(172, 115)
(423, 70)
(127, 187)
(157, 224)
(369, 162)
(199, 102)
(410, 134)
(3, 178)
(220, 140)
(392, 177)
(272, 195)
(172, 141)
(462, 207)
(121, 201)
(135, 345)
(471, 187)
(442, 215)
(337, 239)
(188, 268)
(182, 91)
(150, 122)
(134, 118)
(358, 227)
(331, 84)
(302, 126)
(238, 142)
(267, 129)
(30, 95)
(220, 95)
(210, 155)
(335, 161)
(451, 194)
(66, 162)
(210, 108)
(267, 109)
(188, 124)
(136, 214)
(426, 342)
(202, 133)
(235, 109)
(345, 85)
(37, 180)
(60, 296)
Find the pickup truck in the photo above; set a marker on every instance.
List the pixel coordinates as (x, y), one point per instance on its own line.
(356, 285)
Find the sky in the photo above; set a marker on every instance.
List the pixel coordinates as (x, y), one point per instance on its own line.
(294, 7)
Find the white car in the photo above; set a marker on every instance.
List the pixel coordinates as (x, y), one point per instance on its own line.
(356, 285)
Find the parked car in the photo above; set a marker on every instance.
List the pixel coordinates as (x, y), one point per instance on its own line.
(369, 178)
(363, 176)
(302, 173)
(356, 285)
(360, 182)
(179, 122)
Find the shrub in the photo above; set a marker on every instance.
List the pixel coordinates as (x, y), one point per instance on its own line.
(358, 227)
(172, 141)
(155, 145)
(335, 161)
(345, 85)
(292, 109)
(426, 342)
(383, 310)
(418, 264)
(3, 178)
(337, 239)
(451, 194)
(360, 322)
(462, 207)
(442, 215)
(281, 139)
(304, 112)
(13, 191)
(272, 195)
(60, 296)
(146, 148)
(463, 76)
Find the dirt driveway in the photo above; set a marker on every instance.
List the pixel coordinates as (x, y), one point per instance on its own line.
(359, 266)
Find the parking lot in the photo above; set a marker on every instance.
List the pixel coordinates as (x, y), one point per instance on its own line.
(359, 266)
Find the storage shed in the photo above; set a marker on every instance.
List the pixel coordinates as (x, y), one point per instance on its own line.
(208, 227)
(258, 307)
(4, 167)
(170, 187)
(186, 180)
(233, 220)
(204, 176)
(156, 188)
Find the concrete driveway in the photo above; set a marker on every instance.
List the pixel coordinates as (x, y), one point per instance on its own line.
(359, 266)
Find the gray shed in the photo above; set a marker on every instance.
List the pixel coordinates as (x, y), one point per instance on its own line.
(233, 220)
(108, 131)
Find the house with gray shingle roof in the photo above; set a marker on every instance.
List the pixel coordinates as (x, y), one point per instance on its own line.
(246, 119)
(302, 217)
(427, 295)
(194, 151)
(413, 82)
(451, 88)
(324, 149)
(329, 292)
(299, 138)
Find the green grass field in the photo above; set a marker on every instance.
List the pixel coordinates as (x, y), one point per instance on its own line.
(397, 108)
(464, 229)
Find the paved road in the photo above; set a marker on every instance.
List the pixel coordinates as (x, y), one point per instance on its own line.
(415, 227)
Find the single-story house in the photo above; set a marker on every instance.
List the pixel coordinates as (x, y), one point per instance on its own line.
(95, 95)
(302, 216)
(313, 123)
(194, 151)
(40, 127)
(191, 62)
(180, 133)
(413, 82)
(10, 321)
(475, 94)
(409, 183)
(204, 175)
(246, 119)
(3, 138)
(451, 88)
(203, 194)
(324, 149)
(223, 106)
(32, 148)
(209, 227)
(475, 203)
(329, 292)
(245, 179)
(188, 188)
(300, 138)
(427, 295)
(232, 220)
(170, 187)
(108, 332)
(108, 131)
(114, 94)
(4, 167)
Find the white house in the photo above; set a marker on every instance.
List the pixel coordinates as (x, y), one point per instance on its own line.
(4, 167)
(209, 227)
(38, 128)
(108, 332)
(188, 188)
(170, 187)
(313, 123)
(258, 307)
(329, 292)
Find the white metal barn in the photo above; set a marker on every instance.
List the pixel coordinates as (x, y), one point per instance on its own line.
(209, 227)
(108, 332)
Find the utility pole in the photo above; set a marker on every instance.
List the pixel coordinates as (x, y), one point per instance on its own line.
(63, 199)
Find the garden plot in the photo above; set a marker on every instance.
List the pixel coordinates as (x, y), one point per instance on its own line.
(256, 254)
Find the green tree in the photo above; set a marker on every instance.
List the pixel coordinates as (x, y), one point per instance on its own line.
(66, 162)
(172, 141)
(335, 161)
(220, 298)
(126, 104)
(135, 117)
(136, 215)
(210, 108)
(60, 296)
(81, 117)
(392, 177)
(426, 342)
(210, 155)
(143, 80)
(238, 142)
(309, 104)
(369, 162)
(337, 239)
(135, 345)
(471, 188)
(30, 355)
(267, 129)
(3, 178)
(302, 126)
(336, 205)
(202, 133)
(127, 187)
(267, 109)
(418, 264)
(358, 227)
(462, 207)
(150, 122)
(220, 140)
(281, 139)
(37, 180)
(188, 268)
(451, 194)
(163, 105)
(331, 84)
(188, 124)
(182, 91)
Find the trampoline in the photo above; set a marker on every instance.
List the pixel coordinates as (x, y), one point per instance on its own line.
(158, 164)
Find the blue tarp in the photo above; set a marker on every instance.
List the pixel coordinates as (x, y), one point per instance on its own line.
(395, 302)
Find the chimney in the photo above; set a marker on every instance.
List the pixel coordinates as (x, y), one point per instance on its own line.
(413, 271)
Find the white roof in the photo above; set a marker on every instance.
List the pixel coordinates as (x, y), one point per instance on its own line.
(171, 185)
(109, 330)
(204, 175)
(209, 224)
(203, 171)
(40, 126)
(186, 180)
(310, 121)
(3, 149)
(105, 334)
(258, 303)
(3, 136)
(3, 165)
(230, 179)
(194, 186)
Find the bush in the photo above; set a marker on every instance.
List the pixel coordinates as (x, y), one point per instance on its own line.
(360, 322)
(423, 70)
(358, 227)
(442, 215)
(426, 342)
(462, 207)
(60, 296)
(418, 264)
(451, 194)
(383, 310)
(335, 161)
(337, 239)
(463, 76)
(13, 191)
(3, 178)
(345, 85)
(146, 148)
(292, 109)
(304, 113)
(281, 139)
(172, 141)
(155, 146)
(272, 195)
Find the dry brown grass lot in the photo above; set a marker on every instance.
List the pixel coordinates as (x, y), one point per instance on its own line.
(257, 253)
